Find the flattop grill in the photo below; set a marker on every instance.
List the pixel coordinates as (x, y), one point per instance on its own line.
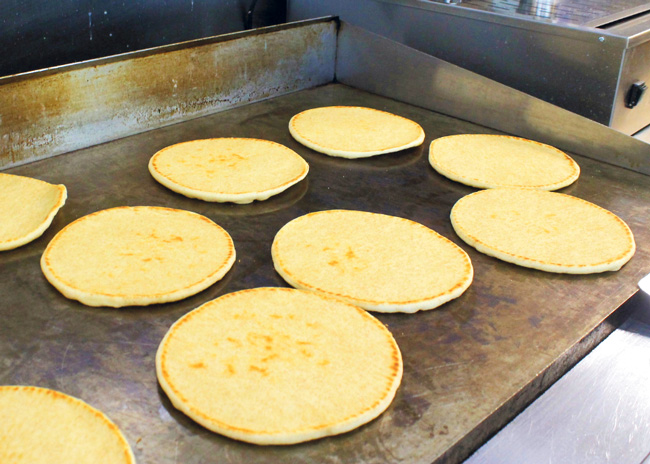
(469, 367)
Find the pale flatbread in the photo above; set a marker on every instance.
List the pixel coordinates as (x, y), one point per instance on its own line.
(490, 161)
(237, 170)
(276, 366)
(137, 256)
(42, 426)
(379, 262)
(354, 132)
(27, 207)
(549, 231)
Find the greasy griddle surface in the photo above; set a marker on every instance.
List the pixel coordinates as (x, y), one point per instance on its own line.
(468, 365)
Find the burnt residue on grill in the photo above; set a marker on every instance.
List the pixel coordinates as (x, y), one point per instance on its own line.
(57, 111)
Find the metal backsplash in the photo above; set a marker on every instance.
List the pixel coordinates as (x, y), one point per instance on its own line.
(381, 66)
(50, 112)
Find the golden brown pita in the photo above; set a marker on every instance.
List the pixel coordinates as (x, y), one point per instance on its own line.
(279, 366)
(137, 256)
(548, 231)
(42, 426)
(238, 170)
(354, 131)
(379, 262)
(491, 161)
(27, 207)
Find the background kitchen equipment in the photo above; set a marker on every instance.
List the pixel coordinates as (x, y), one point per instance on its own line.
(590, 57)
(37, 34)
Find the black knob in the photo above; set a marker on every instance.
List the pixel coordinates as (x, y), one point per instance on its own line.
(634, 94)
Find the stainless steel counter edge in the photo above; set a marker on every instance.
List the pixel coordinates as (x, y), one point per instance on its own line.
(625, 35)
(596, 413)
(576, 32)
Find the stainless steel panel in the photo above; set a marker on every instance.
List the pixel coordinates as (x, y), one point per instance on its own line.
(573, 67)
(598, 413)
(643, 135)
(636, 68)
(51, 112)
(378, 65)
(591, 13)
(636, 29)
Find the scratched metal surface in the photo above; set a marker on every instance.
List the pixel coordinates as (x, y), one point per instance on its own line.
(605, 396)
(469, 366)
(59, 110)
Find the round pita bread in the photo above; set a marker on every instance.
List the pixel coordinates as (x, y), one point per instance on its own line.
(42, 426)
(276, 366)
(27, 207)
(548, 231)
(491, 161)
(354, 132)
(379, 262)
(137, 256)
(237, 170)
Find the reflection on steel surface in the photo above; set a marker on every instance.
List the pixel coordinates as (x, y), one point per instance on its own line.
(538, 8)
(578, 12)
(644, 284)
(381, 66)
(599, 412)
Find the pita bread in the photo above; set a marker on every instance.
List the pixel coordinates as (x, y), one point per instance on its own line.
(137, 256)
(237, 170)
(379, 262)
(490, 161)
(42, 426)
(276, 366)
(354, 132)
(27, 207)
(548, 231)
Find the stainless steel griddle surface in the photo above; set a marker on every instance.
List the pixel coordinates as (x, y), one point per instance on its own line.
(469, 365)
